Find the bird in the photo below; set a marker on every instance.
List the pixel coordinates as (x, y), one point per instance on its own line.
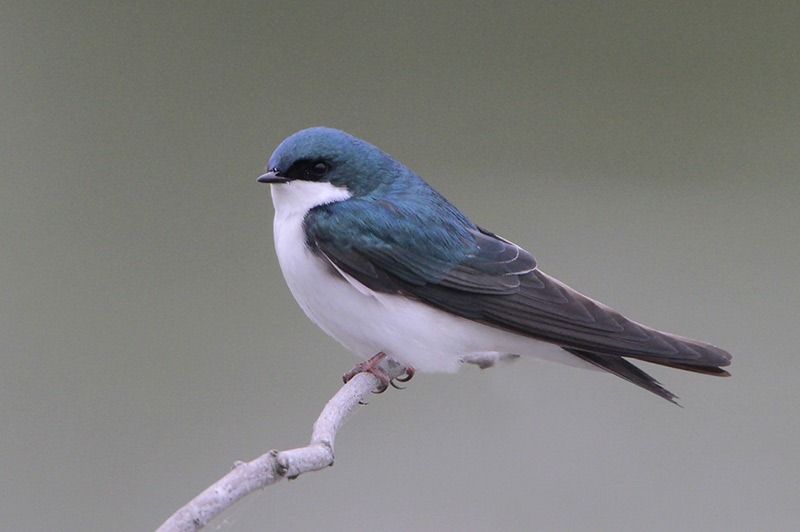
(383, 263)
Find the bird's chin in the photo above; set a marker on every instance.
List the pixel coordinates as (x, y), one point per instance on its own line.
(298, 197)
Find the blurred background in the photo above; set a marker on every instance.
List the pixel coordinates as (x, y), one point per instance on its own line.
(647, 153)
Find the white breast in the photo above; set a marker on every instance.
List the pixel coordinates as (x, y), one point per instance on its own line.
(367, 322)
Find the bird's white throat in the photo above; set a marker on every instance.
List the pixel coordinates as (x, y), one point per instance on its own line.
(296, 198)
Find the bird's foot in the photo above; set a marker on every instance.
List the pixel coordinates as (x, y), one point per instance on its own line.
(373, 366)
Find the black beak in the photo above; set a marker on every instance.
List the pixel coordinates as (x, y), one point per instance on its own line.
(272, 177)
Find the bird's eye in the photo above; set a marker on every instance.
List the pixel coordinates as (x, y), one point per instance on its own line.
(319, 169)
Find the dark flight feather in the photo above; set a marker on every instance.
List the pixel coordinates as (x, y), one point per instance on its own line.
(624, 369)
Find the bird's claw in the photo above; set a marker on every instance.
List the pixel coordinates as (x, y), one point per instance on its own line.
(383, 386)
(407, 376)
(372, 366)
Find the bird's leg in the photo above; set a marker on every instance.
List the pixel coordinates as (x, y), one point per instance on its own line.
(373, 366)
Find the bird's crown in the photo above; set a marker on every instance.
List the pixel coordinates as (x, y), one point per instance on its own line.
(330, 155)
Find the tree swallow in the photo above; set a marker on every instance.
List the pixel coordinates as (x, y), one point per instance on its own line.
(388, 267)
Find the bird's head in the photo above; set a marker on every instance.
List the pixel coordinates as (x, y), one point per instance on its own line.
(330, 157)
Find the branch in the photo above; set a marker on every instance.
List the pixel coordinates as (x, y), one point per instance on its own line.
(269, 468)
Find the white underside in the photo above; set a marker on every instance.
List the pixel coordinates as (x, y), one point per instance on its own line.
(367, 322)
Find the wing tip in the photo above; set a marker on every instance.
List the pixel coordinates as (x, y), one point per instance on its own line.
(620, 367)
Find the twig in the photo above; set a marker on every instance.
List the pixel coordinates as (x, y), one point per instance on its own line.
(269, 468)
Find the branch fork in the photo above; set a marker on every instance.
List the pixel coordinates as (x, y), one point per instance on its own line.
(269, 468)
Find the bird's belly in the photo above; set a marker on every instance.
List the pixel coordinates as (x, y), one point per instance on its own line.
(411, 332)
(367, 323)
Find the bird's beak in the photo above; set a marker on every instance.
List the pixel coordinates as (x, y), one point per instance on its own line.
(272, 177)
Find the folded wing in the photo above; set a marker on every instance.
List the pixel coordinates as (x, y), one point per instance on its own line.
(447, 262)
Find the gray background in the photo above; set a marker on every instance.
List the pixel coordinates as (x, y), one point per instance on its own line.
(648, 155)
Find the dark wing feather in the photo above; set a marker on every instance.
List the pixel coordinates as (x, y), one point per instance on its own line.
(396, 248)
(624, 369)
(451, 264)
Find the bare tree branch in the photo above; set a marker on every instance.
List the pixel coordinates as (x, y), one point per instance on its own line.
(271, 467)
